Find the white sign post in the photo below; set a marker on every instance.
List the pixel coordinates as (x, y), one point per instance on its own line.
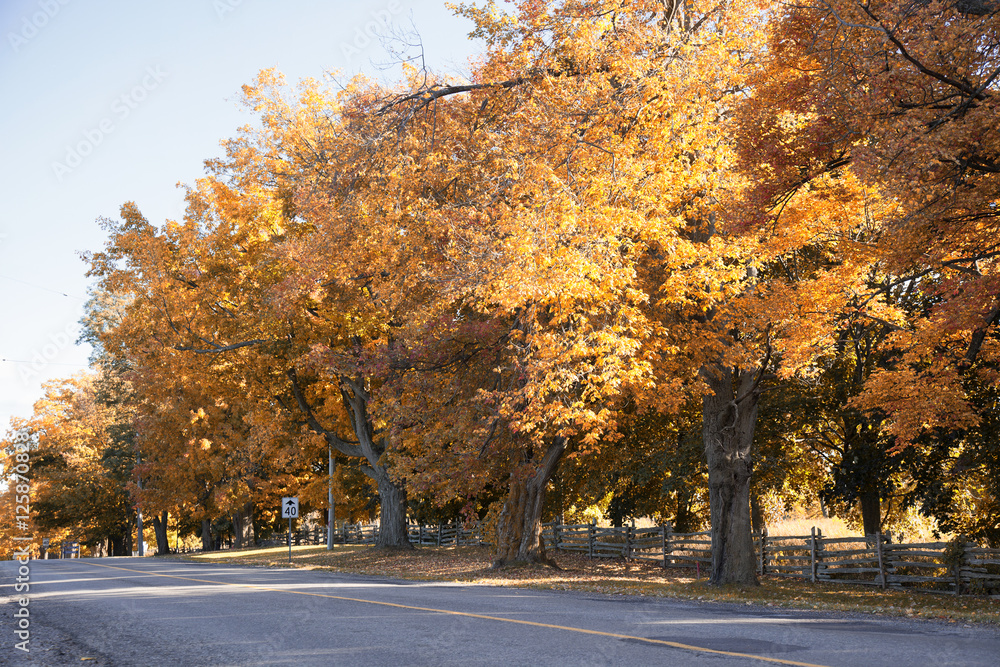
(290, 509)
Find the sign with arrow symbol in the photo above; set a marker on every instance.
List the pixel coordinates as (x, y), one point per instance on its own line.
(290, 508)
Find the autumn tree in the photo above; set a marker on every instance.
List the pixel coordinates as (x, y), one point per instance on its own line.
(80, 474)
(602, 197)
(908, 90)
(605, 239)
(212, 441)
(915, 84)
(956, 473)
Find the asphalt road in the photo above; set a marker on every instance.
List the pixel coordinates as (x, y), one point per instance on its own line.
(131, 611)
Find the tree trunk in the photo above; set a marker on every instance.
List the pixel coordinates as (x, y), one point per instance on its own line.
(684, 519)
(756, 515)
(243, 535)
(871, 511)
(101, 548)
(206, 535)
(118, 545)
(160, 529)
(728, 420)
(519, 530)
(616, 511)
(393, 532)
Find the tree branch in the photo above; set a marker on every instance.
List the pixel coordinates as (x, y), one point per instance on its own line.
(342, 446)
(216, 349)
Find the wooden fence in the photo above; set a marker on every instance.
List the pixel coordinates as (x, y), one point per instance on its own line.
(947, 567)
(657, 545)
(944, 567)
(441, 535)
(446, 535)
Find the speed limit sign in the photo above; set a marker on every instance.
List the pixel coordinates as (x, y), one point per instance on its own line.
(290, 508)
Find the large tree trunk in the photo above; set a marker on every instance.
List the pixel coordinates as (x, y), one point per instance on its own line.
(729, 417)
(519, 530)
(871, 511)
(207, 544)
(393, 532)
(160, 529)
(243, 526)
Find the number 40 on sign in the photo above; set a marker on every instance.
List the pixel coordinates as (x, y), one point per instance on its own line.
(289, 508)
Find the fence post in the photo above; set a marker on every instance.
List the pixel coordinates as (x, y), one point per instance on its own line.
(439, 534)
(627, 549)
(820, 549)
(763, 551)
(663, 534)
(812, 555)
(555, 532)
(591, 529)
(881, 560)
(959, 562)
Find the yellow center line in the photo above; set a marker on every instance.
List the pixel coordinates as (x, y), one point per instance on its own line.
(615, 635)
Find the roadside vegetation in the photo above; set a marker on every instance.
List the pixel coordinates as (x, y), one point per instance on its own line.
(612, 577)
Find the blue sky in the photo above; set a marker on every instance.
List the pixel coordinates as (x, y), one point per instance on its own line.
(109, 101)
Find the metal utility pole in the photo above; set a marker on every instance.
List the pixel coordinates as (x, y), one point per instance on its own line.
(332, 516)
(139, 515)
(139, 525)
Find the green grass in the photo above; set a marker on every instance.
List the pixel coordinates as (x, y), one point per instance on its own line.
(614, 577)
